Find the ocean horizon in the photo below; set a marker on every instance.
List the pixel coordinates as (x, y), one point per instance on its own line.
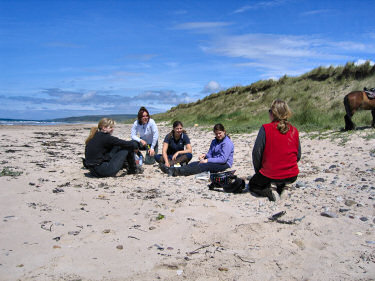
(25, 122)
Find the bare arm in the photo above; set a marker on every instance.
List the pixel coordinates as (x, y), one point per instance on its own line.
(164, 153)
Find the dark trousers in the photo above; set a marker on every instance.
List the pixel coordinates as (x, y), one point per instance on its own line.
(149, 160)
(181, 158)
(260, 182)
(117, 156)
(196, 168)
(212, 167)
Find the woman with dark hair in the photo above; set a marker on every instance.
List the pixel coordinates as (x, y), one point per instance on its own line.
(218, 158)
(176, 147)
(276, 151)
(105, 155)
(148, 133)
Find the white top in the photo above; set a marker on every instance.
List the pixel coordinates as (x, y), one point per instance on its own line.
(147, 132)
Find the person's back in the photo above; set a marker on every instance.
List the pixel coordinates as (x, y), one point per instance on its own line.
(280, 153)
(275, 153)
(97, 147)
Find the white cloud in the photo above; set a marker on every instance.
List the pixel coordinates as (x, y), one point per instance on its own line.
(259, 5)
(201, 25)
(362, 61)
(211, 87)
(316, 12)
(276, 55)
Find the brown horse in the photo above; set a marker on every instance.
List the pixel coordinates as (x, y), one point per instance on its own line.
(354, 101)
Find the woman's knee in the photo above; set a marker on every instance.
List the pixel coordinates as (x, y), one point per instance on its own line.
(159, 158)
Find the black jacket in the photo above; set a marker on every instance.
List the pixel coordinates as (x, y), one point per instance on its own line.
(98, 148)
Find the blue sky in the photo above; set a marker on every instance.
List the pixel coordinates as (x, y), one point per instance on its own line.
(70, 58)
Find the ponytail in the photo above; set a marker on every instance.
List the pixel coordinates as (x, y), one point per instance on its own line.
(93, 131)
(283, 126)
(281, 112)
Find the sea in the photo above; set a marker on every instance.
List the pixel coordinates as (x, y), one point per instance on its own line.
(13, 122)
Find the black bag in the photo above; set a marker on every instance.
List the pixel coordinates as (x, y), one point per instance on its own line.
(228, 181)
(236, 186)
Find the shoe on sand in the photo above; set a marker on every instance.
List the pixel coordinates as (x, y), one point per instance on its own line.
(267, 192)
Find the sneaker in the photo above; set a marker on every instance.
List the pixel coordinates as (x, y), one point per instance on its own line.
(267, 192)
(137, 171)
(164, 168)
(280, 188)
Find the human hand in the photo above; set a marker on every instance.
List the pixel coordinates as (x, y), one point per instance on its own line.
(201, 157)
(202, 161)
(167, 164)
(143, 143)
(151, 152)
(174, 157)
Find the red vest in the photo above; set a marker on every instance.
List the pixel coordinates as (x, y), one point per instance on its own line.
(279, 160)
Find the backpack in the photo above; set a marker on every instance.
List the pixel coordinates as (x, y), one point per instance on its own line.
(228, 181)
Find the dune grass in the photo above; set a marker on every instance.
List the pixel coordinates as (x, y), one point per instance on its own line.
(316, 99)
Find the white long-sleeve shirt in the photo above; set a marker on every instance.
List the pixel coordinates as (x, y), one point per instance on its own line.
(147, 132)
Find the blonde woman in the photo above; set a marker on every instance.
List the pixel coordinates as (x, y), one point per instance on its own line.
(106, 154)
(276, 151)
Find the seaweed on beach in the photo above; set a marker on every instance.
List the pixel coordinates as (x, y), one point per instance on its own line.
(7, 171)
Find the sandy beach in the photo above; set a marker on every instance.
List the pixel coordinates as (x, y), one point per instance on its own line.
(59, 223)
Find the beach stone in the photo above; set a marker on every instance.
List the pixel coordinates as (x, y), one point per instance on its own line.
(106, 231)
(120, 247)
(319, 180)
(343, 210)
(300, 184)
(363, 219)
(328, 214)
(299, 243)
(350, 202)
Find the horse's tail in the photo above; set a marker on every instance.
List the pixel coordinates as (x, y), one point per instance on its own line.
(347, 105)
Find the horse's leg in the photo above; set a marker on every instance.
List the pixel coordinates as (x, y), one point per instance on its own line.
(373, 118)
(349, 125)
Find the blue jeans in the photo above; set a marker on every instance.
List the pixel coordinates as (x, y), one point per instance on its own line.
(118, 156)
(196, 168)
(181, 158)
(212, 167)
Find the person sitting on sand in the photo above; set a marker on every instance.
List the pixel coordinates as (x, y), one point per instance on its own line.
(148, 135)
(176, 147)
(105, 154)
(276, 151)
(218, 158)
